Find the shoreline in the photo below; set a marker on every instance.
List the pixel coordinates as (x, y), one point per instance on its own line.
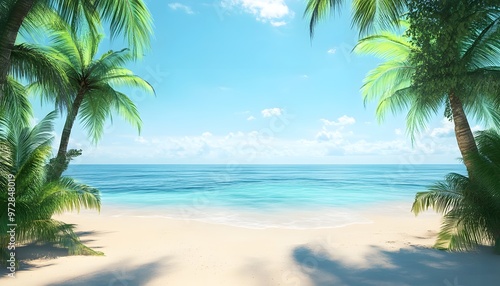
(298, 218)
(394, 249)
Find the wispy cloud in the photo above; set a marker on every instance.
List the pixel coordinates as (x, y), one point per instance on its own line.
(333, 130)
(271, 112)
(341, 121)
(335, 140)
(181, 7)
(332, 51)
(141, 140)
(445, 130)
(250, 118)
(275, 12)
(278, 23)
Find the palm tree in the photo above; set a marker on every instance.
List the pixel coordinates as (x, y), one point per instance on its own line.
(392, 83)
(128, 17)
(471, 207)
(24, 152)
(92, 86)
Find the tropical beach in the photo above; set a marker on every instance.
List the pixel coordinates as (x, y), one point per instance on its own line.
(236, 142)
(157, 238)
(394, 248)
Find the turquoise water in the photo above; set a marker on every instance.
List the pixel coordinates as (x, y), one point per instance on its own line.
(219, 192)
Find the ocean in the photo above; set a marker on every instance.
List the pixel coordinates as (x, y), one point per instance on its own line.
(259, 196)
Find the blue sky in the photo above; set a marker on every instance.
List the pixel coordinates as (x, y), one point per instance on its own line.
(240, 82)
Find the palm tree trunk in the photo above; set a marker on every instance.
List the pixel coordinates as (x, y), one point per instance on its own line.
(8, 36)
(61, 161)
(463, 132)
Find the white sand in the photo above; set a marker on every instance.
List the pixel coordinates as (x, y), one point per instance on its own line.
(392, 250)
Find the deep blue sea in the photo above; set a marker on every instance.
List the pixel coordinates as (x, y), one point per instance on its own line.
(229, 193)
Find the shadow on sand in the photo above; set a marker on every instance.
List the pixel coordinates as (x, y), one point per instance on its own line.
(409, 266)
(120, 274)
(42, 250)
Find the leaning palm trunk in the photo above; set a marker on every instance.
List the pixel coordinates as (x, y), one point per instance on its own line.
(61, 161)
(463, 132)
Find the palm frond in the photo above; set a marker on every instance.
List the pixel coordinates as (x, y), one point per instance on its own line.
(15, 104)
(319, 9)
(66, 195)
(422, 110)
(127, 110)
(124, 77)
(370, 15)
(130, 18)
(35, 64)
(98, 69)
(64, 42)
(96, 109)
(442, 196)
(27, 140)
(385, 45)
(483, 41)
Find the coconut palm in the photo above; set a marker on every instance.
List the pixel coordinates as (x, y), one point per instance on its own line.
(471, 207)
(130, 18)
(24, 153)
(392, 83)
(93, 84)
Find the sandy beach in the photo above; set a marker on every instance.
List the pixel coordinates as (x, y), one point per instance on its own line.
(393, 248)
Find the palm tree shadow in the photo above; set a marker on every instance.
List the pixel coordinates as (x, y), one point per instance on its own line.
(409, 266)
(28, 253)
(33, 251)
(120, 274)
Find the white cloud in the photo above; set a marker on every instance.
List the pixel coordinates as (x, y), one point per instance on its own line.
(333, 131)
(398, 131)
(445, 130)
(141, 140)
(341, 121)
(332, 144)
(269, 112)
(276, 12)
(334, 141)
(278, 23)
(304, 76)
(332, 51)
(182, 7)
(331, 136)
(250, 118)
